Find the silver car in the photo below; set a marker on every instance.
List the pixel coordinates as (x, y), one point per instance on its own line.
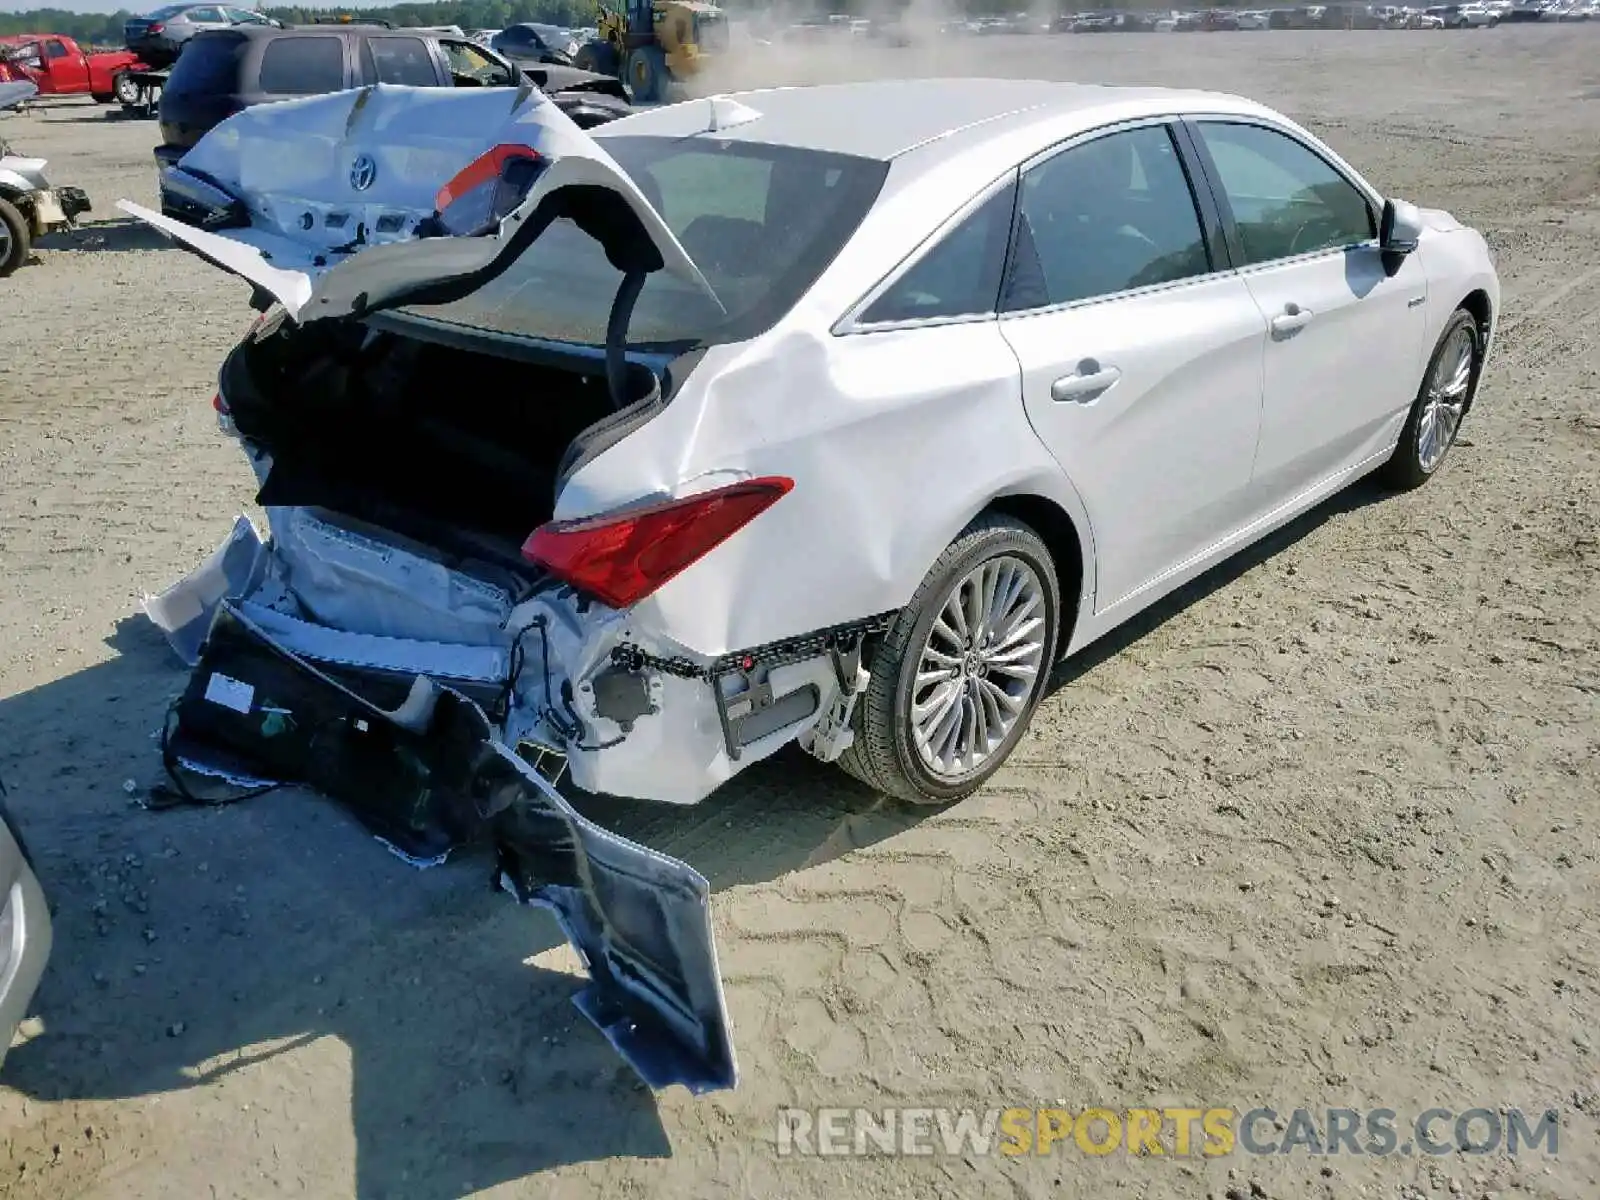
(24, 931)
(159, 37)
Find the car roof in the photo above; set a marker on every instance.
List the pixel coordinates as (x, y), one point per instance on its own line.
(887, 118)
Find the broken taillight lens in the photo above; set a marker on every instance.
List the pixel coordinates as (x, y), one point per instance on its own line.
(620, 558)
(487, 190)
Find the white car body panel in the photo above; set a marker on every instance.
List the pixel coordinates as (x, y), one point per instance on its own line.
(306, 207)
(1213, 434)
(1162, 455)
(1323, 405)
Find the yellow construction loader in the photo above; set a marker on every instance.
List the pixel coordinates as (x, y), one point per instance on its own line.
(651, 44)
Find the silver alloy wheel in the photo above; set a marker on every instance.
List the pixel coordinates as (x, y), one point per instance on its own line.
(5, 242)
(1446, 402)
(978, 666)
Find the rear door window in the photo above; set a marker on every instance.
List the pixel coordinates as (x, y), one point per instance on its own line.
(1105, 216)
(205, 16)
(208, 66)
(960, 276)
(302, 66)
(400, 60)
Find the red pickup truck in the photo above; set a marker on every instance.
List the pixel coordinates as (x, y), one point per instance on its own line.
(59, 67)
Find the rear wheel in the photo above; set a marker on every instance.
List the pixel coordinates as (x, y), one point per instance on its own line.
(647, 74)
(599, 57)
(959, 674)
(1441, 404)
(125, 90)
(14, 238)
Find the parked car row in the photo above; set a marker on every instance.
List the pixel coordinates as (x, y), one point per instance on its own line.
(1473, 15)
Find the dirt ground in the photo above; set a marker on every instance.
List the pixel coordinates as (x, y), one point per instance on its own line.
(1318, 832)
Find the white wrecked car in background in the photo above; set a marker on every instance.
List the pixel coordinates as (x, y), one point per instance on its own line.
(751, 421)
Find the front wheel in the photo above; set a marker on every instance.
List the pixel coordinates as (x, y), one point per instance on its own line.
(1441, 404)
(599, 57)
(647, 74)
(962, 669)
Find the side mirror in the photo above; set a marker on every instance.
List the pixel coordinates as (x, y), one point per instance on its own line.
(1400, 228)
(1399, 231)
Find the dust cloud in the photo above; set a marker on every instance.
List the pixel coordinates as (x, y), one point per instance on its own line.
(904, 41)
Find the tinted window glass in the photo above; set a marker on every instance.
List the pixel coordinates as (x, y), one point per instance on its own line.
(760, 221)
(470, 62)
(302, 66)
(1286, 200)
(959, 276)
(401, 60)
(204, 16)
(208, 66)
(1103, 217)
(54, 50)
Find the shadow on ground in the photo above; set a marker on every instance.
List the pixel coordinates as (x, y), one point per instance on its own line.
(192, 943)
(101, 113)
(117, 236)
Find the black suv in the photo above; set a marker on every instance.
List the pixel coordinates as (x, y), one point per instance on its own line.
(225, 71)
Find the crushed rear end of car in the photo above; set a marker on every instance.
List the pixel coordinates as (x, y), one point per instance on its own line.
(410, 636)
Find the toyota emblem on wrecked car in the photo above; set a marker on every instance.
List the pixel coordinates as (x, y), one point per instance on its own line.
(362, 172)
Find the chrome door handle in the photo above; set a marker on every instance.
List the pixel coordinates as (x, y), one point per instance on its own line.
(1290, 320)
(1086, 383)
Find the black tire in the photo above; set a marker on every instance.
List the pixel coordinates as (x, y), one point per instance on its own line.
(14, 249)
(125, 90)
(647, 74)
(1405, 469)
(599, 57)
(882, 755)
(103, 97)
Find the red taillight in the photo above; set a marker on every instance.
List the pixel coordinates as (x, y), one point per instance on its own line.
(487, 189)
(218, 403)
(154, 27)
(620, 558)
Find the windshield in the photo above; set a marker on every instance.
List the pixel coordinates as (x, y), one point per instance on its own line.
(761, 222)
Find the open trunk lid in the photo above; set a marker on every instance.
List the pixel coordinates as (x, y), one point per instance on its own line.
(324, 203)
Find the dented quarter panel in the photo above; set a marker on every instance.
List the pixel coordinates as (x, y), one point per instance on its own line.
(758, 408)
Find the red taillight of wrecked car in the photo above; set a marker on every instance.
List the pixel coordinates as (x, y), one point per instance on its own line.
(487, 189)
(620, 558)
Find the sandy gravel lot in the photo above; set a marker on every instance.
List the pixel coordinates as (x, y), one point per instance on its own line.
(1319, 831)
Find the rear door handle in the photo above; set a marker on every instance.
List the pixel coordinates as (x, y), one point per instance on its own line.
(1290, 320)
(1089, 381)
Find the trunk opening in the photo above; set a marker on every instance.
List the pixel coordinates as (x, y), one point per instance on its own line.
(461, 442)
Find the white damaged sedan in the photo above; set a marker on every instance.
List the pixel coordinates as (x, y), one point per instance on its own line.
(833, 415)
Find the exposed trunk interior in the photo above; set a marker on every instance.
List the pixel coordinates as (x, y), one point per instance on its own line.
(449, 445)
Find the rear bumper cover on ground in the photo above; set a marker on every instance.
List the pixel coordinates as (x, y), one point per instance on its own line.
(430, 773)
